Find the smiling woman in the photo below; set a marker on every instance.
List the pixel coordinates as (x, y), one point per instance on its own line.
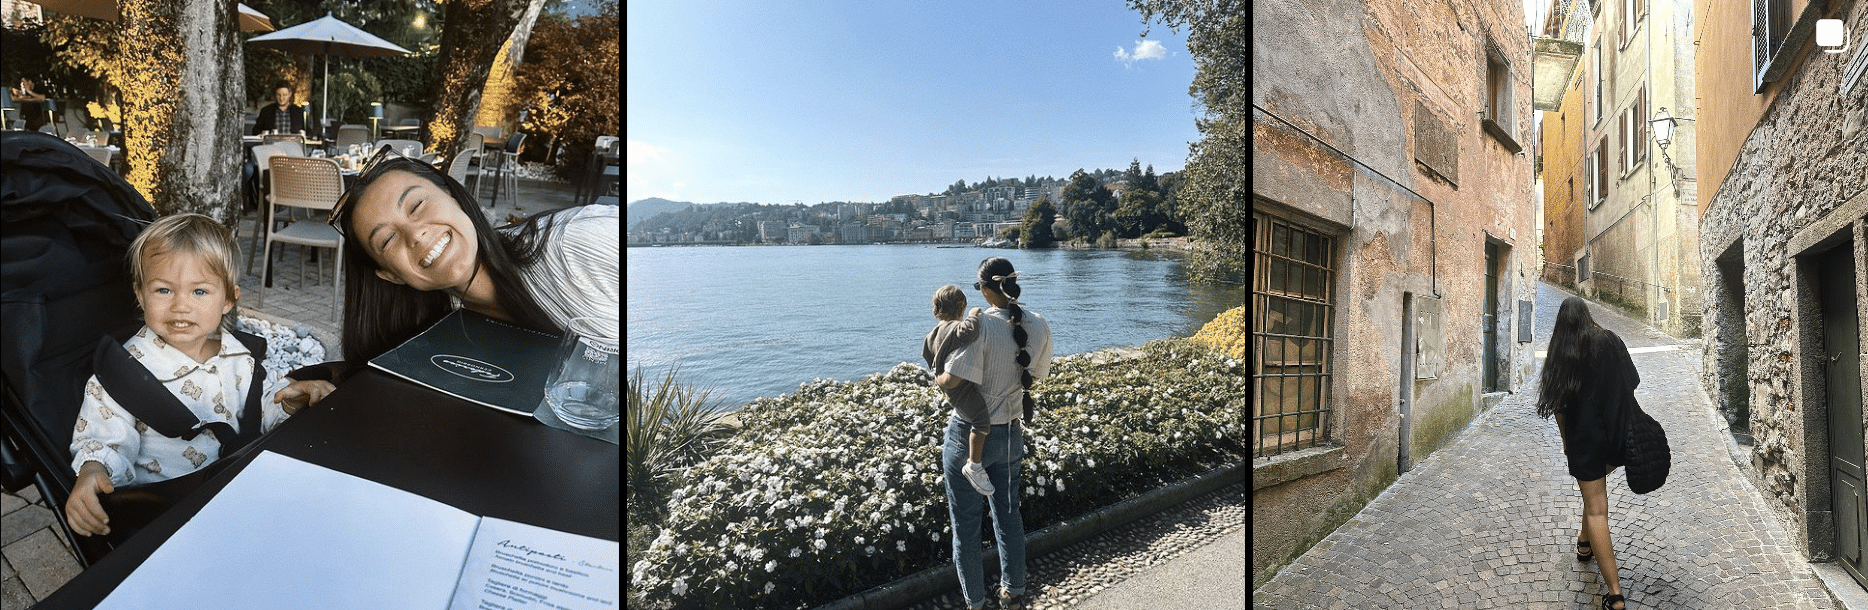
(417, 246)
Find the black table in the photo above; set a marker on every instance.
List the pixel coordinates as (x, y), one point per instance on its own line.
(388, 430)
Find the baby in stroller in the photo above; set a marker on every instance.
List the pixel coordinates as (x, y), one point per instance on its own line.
(185, 389)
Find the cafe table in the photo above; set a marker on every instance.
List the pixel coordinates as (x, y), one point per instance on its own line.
(385, 429)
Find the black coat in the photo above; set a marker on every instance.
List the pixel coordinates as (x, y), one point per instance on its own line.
(269, 113)
(1595, 424)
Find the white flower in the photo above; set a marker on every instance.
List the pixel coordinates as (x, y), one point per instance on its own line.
(1060, 484)
(681, 586)
(769, 586)
(886, 528)
(859, 539)
(819, 544)
(732, 566)
(869, 550)
(935, 536)
(820, 533)
(758, 554)
(901, 545)
(795, 552)
(769, 566)
(911, 528)
(1092, 462)
(740, 549)
(1040, 492)
(1040, 479)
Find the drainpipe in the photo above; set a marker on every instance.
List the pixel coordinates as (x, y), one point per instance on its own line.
(1653, 198)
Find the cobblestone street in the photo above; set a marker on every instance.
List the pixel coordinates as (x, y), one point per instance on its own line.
(1491, 520)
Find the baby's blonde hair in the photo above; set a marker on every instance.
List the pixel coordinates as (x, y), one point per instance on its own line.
(194, 235)
(949, 302)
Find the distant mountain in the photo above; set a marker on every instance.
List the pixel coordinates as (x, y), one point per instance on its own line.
(648, 208)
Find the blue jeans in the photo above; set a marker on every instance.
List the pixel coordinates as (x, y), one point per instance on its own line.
(1004, 449)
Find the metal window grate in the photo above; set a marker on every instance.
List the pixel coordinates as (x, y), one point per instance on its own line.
(1292, 335)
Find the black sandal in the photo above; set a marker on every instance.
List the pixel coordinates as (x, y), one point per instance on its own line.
(1610, 599)
(1583, 545)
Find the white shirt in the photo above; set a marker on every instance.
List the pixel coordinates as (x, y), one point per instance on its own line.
(215, 390)
(992, 361)
(579, 273)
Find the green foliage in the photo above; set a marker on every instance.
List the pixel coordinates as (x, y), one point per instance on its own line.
(667, 427)
(1087, 205)
(1037, 226)
(569, 82)
(1213, 195)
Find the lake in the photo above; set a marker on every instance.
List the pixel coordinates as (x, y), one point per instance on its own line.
(752, 321)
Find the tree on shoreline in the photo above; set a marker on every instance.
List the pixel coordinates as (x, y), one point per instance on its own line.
(1036, 231)
(1212, 192)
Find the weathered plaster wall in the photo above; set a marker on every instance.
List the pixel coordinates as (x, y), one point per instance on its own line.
(1804, 164)
(1405, 67)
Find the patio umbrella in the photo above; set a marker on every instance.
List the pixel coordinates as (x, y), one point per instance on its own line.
(328, 36)
(250, 20)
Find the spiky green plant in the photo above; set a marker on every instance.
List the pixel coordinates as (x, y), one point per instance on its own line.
(669, 426)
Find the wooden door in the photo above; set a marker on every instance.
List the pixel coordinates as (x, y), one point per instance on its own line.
(1841, 363)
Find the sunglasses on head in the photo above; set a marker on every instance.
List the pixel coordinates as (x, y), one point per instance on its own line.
(382, 160)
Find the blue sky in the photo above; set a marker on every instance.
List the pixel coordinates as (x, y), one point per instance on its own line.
(776, 102)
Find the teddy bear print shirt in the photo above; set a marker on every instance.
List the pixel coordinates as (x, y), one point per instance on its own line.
(215, 390)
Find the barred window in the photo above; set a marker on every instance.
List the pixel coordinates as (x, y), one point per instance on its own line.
(1291, 334)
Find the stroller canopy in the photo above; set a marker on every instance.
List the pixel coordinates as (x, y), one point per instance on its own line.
(64, 283)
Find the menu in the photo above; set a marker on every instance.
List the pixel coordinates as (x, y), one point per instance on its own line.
(477, 358)
(289, 535)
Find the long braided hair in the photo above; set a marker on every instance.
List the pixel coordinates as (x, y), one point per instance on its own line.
(997, 272)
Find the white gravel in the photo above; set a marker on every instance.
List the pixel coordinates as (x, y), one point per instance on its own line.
(287, 348)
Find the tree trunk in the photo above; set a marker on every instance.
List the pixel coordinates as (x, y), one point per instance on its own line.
(182, 109)
(474, 33)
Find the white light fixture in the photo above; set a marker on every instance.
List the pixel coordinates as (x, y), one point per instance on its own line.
(1663, 128)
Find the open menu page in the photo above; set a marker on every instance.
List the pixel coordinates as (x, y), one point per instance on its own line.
(286, 534)
(513, 565)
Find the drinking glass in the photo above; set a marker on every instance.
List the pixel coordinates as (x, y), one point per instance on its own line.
(582, 391)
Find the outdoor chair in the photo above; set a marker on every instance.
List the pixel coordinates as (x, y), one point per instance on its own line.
(18, 124)
(313, 184)
(460, 167)
(508, 161)
(352, 134)
(262, 159)
(48, 128)
(101, 155)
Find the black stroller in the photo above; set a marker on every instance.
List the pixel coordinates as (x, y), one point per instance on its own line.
(66, 223)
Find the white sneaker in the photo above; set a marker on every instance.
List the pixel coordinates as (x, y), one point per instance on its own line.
(976, 475)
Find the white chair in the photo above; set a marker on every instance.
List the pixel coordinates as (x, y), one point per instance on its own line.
(461, 169)
(313, 184)
(352, 134)
(262, 158)
(101, 155)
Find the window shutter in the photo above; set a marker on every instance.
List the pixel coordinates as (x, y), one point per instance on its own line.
(1640, 126)
(1621, 144)
(1602, 169)
(1760, 44)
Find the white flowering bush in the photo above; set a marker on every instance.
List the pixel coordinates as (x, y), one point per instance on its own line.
(838, 487)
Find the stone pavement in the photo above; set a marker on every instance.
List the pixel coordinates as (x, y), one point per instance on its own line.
(34, 560)
(1491, 520)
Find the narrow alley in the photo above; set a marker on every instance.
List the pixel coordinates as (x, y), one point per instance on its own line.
(1490, 520)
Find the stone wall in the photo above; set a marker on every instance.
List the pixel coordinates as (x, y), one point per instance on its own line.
(1802, 171)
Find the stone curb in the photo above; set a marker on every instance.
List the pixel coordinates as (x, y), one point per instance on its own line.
(940, 579)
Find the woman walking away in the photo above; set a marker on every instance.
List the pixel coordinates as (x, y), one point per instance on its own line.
(1013, 349)
(1588, 383)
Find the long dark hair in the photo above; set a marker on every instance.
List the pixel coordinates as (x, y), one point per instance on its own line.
(383, 314)
(1566, 361)
(996, 272)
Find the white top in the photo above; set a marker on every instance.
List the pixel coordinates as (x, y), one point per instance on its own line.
(992, 361)
(213, 390)
(579, 274)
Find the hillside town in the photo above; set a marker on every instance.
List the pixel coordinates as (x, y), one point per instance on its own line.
(971, 216)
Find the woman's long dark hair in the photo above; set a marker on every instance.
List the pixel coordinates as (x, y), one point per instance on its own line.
(997, 273)
(381, 314)
(1566, 361)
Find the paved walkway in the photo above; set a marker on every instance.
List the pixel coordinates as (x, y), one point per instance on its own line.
(1491, 520)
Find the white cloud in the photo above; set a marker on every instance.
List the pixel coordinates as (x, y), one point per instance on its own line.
(640, 152)
(1144, 49)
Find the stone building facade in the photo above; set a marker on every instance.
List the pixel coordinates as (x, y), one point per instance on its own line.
(1784, 154)
(1393, 222)
(1621, 221)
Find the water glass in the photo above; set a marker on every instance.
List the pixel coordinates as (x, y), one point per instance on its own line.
(582, 391)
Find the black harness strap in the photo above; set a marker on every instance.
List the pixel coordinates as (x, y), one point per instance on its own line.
(137, 390)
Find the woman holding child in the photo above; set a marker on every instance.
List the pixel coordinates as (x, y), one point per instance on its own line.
(417, 245)
(1013, 348)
